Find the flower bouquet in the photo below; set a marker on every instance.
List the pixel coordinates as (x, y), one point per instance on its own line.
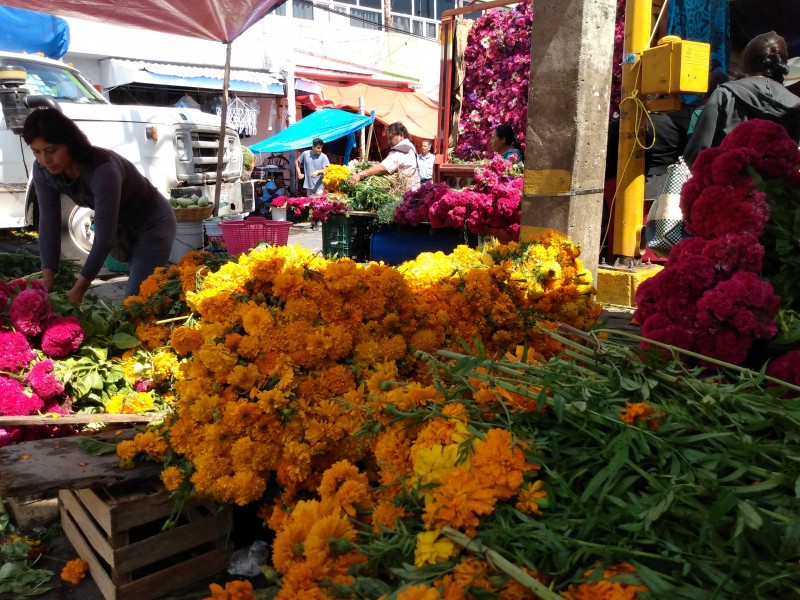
(732, 289)
(335, 176)
(325, 205)
(278, 202)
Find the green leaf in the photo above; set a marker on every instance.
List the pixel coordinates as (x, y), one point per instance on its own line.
(124, 341)
(749, 514)
(96, 447)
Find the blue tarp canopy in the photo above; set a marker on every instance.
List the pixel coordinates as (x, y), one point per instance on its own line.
(327, 123)
(27, 31)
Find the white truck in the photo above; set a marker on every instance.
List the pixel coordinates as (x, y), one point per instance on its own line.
(175, 148)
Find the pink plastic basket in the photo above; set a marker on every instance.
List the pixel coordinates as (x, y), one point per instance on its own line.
(240, 236)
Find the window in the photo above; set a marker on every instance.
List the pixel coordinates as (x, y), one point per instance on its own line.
(417, 27)
(376, 4)
(402, 7)
(300, 10)
(431, 27)
(425, 8)
(401, 23)
(366, 19)
(443, 5)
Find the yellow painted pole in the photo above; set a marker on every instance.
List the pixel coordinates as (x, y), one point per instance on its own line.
(629, 203)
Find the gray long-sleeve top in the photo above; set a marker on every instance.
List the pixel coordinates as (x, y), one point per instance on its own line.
(121, 197)
(741, 100)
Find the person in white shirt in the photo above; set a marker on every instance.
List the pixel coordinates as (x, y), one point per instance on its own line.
(426, 159)
(402, 157)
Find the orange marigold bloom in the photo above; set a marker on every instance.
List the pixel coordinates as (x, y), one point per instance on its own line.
(172, 478)
(500, 462)
(641, 414)
(287, 549)
(233, 590)
(74, 571)
(532, 497)
(185, 340)
(418, 592)
(320, 543)
(458, 501)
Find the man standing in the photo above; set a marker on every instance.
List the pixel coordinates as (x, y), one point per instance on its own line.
(311, 165)
(402, 158)
(426, 159)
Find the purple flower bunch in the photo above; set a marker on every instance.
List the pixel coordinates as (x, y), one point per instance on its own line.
(711, 296)
(28, 380)
(497, 59)
(416, 205)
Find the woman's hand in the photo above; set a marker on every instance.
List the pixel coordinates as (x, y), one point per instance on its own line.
(75, 294)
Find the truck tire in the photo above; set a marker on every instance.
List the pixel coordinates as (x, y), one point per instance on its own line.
(77, 231)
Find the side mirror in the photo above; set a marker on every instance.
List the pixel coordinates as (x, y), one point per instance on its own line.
(13, 96)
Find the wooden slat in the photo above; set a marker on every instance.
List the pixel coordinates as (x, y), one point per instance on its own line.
(47, 466)
(169, 543)
(98, 572)
(140, 508)
(79, 419)
(175, 577)
(71, 504)
(95, 507)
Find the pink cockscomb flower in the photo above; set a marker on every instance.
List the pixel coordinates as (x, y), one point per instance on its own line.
(15, 352)
(30, 311)
(786, 367)
(43, 381)
(62, 337)
(14, 401)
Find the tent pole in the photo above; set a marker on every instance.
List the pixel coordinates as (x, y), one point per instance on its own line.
(226, 82)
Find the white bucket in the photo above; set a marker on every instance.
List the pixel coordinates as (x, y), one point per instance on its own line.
(278, 214)
(212, 226)
(188, 237)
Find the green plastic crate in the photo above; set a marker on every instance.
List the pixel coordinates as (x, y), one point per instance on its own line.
(348, 236)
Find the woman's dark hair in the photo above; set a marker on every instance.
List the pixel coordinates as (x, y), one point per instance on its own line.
(766, 55)
(55, 128)
(397, 129)
(505, 133)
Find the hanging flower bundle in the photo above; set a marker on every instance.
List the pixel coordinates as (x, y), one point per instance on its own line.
(33, 338)
(278, 367)
(721, 290)
(497, 61)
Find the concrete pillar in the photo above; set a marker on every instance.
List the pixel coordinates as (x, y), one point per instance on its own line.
(572, 45)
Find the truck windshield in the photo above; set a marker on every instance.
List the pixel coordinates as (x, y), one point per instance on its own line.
(61, 84)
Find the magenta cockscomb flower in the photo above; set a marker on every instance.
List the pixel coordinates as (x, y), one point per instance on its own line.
(14, 399)
(15, 351)
(30, 311)
(62, 337)
(43, 381)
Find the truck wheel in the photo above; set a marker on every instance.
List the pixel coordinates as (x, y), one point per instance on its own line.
(77, 232)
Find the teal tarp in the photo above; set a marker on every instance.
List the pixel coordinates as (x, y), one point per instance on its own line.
(28, 31)
(327, 123)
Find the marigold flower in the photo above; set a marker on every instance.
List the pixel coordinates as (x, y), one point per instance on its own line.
(432, 549)
(418, 592)
(172, 478)
(233, 590)
(641, 414)
(74, 571)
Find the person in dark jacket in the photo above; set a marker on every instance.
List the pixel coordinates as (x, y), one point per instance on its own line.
(131, 217)
(760, 94)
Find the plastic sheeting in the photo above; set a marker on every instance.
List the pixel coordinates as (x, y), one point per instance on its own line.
(327, 124)
(28, 31)
(222, 20)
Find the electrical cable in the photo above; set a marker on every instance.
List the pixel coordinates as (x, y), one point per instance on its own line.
(361, 19)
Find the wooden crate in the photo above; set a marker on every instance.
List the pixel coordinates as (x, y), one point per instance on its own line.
(130, 558)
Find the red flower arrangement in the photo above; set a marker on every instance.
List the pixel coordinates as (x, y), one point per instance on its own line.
(278, 202)
(715, 295)
(324, 205)
(28, 385)
(297, 205)
(492, 203)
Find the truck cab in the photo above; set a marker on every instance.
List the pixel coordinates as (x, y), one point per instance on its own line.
(175, 148)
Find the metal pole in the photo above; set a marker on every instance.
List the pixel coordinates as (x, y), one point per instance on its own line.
(629, 202)
(223, 125)
(291, 102)
(363, 144)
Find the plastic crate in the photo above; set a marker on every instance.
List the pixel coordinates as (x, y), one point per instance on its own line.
(348, 236)
(241, 236)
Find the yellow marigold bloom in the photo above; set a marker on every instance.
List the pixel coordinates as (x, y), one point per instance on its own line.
(532, 497)
(172, 478)
(216, 357)
(74, 571)
(418, 592)
(432, 549)
(130, 403)
(165, 365)
(431, 465)
(127, 450)
(244, 376)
